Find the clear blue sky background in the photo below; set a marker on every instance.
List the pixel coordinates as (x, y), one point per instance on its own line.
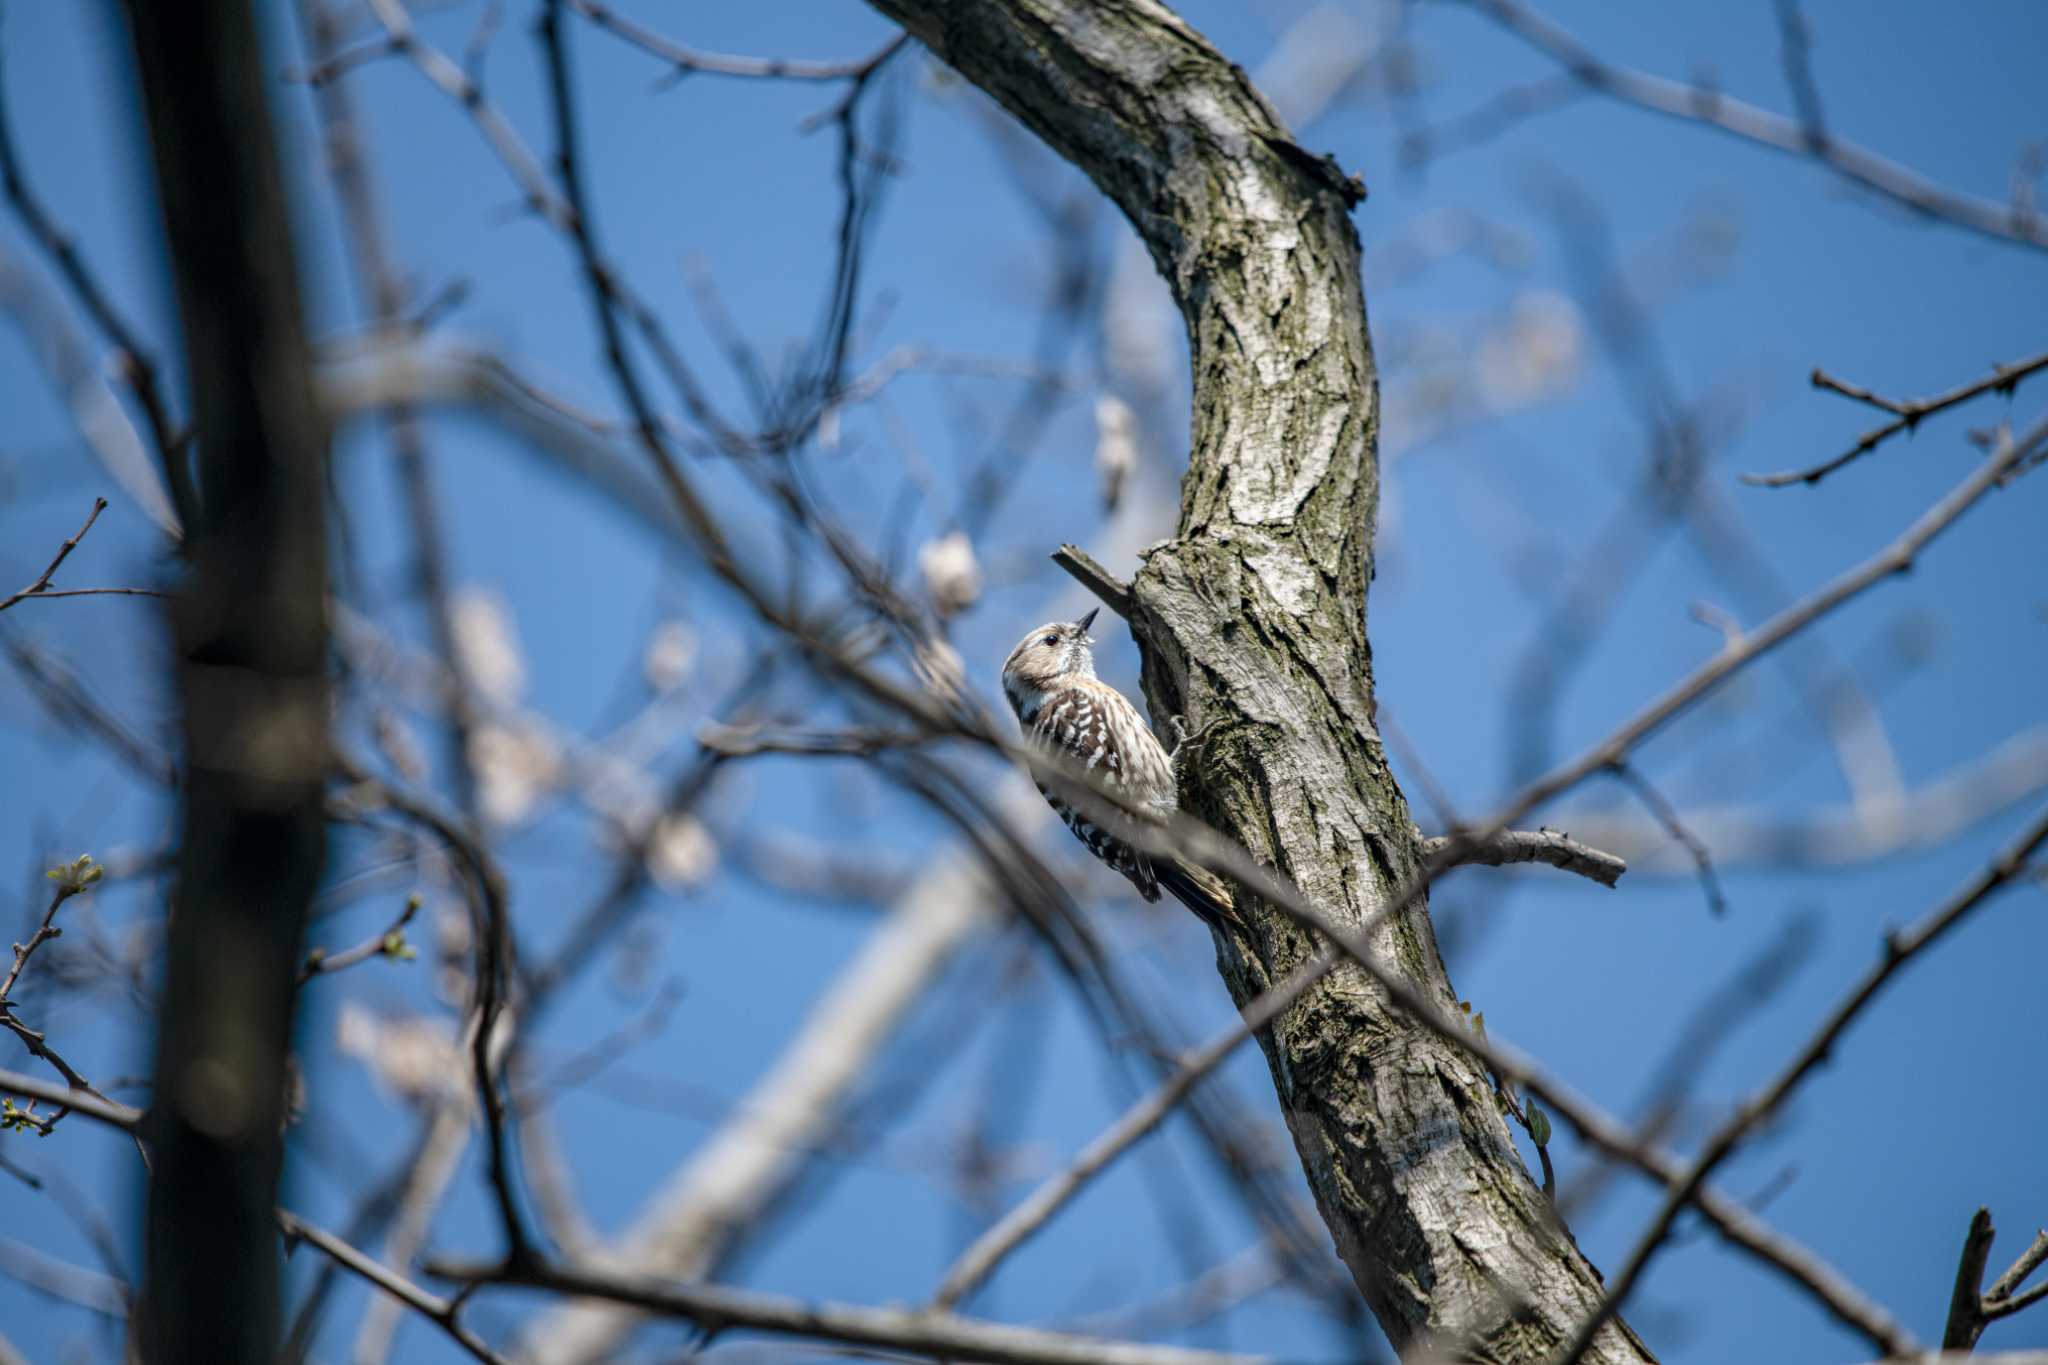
(1934, 1105)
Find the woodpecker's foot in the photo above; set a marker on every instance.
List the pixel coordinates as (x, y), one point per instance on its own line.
(1186, 743)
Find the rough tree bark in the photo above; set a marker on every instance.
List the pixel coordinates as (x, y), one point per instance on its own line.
(1253, 617)
(251, 633)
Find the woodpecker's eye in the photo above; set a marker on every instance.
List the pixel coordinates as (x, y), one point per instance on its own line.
(1050, 640)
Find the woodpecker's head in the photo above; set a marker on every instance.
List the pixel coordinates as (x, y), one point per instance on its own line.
(1044, 659)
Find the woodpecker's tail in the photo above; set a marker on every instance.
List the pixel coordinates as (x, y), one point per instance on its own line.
(1200, 891)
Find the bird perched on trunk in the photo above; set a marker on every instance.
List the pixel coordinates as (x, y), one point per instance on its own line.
(1069, 712)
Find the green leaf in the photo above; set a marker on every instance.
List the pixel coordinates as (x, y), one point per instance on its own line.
(1539, 1125)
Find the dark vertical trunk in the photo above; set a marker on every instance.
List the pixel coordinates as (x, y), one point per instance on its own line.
(249, 625)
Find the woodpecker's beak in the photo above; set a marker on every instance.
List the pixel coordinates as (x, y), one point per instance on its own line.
(1083, 624)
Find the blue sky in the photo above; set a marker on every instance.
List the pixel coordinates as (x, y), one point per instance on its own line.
(1927, 1111)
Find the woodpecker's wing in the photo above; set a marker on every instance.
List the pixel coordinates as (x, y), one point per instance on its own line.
(1095, 725)
(1091, 725)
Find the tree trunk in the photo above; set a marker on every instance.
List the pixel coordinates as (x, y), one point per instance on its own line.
(1253, 617)
(251, 633)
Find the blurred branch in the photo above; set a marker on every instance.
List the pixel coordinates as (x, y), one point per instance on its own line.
(746, 741)
(30, 1265)
(72, 879)
(378, 284)
(107, 430)
(64, 694)
(705, 1210)
(1667, 816)
(489, 1028)
(717, 1308)
(1925, 817)
(1711, 108)
(1795, 49)
(136, 365)
(2005, 379)
(686, 60)
(97, 1107)
(980, 1260)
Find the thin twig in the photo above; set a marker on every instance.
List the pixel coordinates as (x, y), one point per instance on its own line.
(2003, 379)
(389, 943)
(40, 588)
(443, 1313)
(96, 592)
(44, 932)
(2016, 1275)
(98, 1107)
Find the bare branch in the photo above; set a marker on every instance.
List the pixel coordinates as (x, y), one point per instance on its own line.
(1713, 109)
(1795, 48)
(1966, 1303)
(685, 60)
(99, 1108)
(1113, 592)
(138, 367)
(44, 932)
(443, 1313)
(1925, 817)
(390, 943)
(2027, 1263)
(2004, 379)
(1547, 846)
(42, 583)
(938, 1335)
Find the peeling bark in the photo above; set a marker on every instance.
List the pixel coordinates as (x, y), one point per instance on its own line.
(1253, 619)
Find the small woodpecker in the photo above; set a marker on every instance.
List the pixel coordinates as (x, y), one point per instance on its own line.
(1067, 711)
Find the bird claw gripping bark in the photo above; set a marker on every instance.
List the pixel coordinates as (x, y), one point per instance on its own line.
(1186, 744)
